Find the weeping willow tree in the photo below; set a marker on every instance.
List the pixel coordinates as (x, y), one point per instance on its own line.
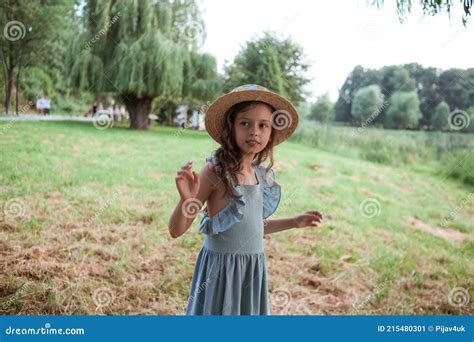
(140, 50)
(430, 7)
(203, 82)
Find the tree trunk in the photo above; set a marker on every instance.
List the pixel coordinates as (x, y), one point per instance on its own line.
(139, 108)
(17, 100)
(8, 89)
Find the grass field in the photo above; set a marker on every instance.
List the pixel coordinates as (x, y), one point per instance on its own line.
(85, 211)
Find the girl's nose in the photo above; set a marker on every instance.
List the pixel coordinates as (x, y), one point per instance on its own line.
(253, 130)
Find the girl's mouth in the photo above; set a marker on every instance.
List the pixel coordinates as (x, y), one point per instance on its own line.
(252, 143)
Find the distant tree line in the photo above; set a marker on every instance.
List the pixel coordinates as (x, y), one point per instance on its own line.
(409, 96)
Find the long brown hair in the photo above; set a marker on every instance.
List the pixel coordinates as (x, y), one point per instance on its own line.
(228, 156)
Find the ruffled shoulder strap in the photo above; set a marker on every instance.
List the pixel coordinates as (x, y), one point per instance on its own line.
(271, 191)
(232, 213)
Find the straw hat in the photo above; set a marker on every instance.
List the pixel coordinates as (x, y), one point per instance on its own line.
(284, 119)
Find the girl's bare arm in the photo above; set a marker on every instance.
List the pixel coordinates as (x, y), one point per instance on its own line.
(310, 218)
(193, 194)
(278, 225)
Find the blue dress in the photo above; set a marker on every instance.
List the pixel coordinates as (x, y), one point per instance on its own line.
(230, 276)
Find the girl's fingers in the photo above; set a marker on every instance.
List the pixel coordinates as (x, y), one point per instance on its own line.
(196, 177)
(187, 166)
(186, 174)
(313, 217)
(316, 213)
(184, 168)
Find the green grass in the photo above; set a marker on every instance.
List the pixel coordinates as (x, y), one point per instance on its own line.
(96, 206)
(448, 154)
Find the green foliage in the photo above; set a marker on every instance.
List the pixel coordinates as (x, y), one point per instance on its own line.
(35, 82)
(457, 87)
(357, 78)
(439, 121)
(459, 165)
(427, 80)
(201, 82)
(34, 38)
(277, 64)
(269, 71)
(470, 113)
(71, 105)
(322, 109)
(454, 86)
(403, 111)
(368, 104)
(398, 79)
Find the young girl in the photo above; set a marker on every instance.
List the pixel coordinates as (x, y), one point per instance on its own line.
(230, 276)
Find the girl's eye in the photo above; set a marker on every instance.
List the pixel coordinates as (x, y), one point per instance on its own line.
(246, 124)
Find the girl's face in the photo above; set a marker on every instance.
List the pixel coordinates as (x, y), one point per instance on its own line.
(253, 128)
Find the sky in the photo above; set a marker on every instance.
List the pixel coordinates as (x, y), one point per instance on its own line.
(338, 35)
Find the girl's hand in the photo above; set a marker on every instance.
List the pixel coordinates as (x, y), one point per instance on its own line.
(311, 218)
(187, 181)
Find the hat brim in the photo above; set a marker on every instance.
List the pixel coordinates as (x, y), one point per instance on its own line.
(284, 119)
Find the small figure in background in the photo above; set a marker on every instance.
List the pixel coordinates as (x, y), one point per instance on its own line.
(46, 105)
(39, 105)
